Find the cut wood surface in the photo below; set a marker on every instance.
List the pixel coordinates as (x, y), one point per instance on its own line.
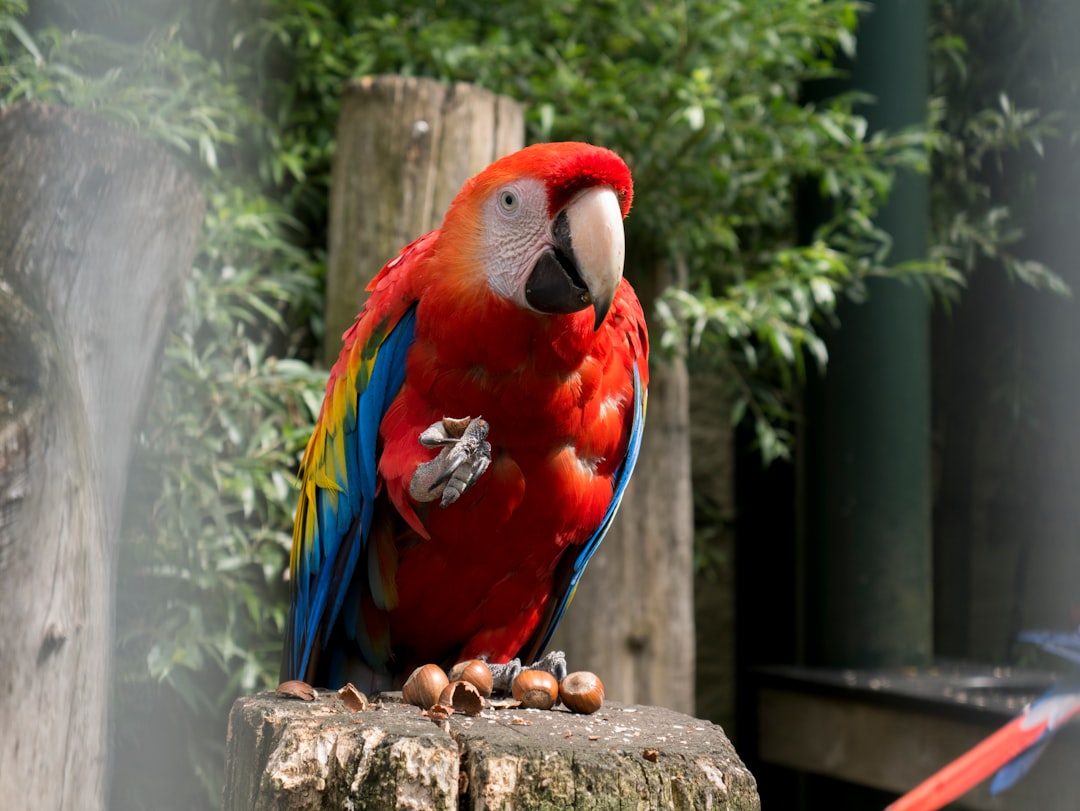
(286, 754)
(97, 229)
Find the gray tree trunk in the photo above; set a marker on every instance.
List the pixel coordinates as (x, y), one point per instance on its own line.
(97, 228)
(404, 148)
(713, 440)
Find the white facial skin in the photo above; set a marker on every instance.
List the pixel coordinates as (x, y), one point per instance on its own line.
(518, 231)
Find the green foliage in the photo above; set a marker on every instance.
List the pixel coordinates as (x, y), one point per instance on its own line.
(158, 86)
(984, 181)
(704, 98)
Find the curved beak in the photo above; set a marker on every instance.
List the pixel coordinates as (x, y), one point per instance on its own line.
(585, 265)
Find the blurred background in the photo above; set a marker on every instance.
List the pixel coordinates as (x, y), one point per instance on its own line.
(853, 229)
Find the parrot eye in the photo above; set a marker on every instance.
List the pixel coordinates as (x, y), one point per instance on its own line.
(508, 201)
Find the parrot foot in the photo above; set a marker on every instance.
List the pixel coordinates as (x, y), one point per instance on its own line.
(464, 457)
(502, 676)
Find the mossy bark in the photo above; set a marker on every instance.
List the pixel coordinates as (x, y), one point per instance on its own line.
(284, 754)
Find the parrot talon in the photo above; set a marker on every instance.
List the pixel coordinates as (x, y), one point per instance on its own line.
(464, 456)
(502, 676)
(553, 662)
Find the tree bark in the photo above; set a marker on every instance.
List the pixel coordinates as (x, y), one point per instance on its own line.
(405, 146)
(97, 228)
(286, 755)
(632, 618)
(713, 441)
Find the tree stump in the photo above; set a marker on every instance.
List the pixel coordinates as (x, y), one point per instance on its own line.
(405, 146)
(97, 228)
(285, 755)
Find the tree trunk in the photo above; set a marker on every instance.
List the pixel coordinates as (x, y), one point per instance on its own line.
(404, 148)
(287, 755)
(97, 228)
(713, 441)
(632, 618)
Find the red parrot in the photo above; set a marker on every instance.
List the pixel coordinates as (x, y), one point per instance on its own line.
(1013, 749)
(478, 430)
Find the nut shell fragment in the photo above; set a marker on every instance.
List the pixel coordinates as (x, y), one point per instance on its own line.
(438, 713)
(354, 700)
(463, 697)
(474, 671)
(294, 688)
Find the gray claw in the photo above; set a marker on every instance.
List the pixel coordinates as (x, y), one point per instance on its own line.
(502, 676)
(553, 662)
(464, 457)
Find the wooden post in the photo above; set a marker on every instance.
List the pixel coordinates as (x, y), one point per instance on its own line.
(97, 228)
(405, 146)
(286, 755)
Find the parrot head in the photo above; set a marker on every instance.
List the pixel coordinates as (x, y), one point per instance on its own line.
(545, 224)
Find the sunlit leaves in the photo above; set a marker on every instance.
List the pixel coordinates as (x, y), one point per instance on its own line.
(159, 87)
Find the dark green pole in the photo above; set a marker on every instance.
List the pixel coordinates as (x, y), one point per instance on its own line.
(866, 471)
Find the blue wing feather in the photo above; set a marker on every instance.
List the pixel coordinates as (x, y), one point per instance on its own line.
(1065, 644)
(1020, 765)
(345, 514)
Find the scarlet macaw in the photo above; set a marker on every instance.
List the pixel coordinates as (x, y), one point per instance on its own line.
(1013, 749)
(478, 430)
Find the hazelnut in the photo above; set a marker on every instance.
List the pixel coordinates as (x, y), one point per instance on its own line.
(476, 673)
(424, 686)
(582, 692)
(462, 696)
(537, 689)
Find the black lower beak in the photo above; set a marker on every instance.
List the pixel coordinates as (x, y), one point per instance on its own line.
(554, 286)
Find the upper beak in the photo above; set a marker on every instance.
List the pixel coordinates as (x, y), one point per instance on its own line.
(586, 263)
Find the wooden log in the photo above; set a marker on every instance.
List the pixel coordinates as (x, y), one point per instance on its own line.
(285, 755)
(405, 146)
(97, 228)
